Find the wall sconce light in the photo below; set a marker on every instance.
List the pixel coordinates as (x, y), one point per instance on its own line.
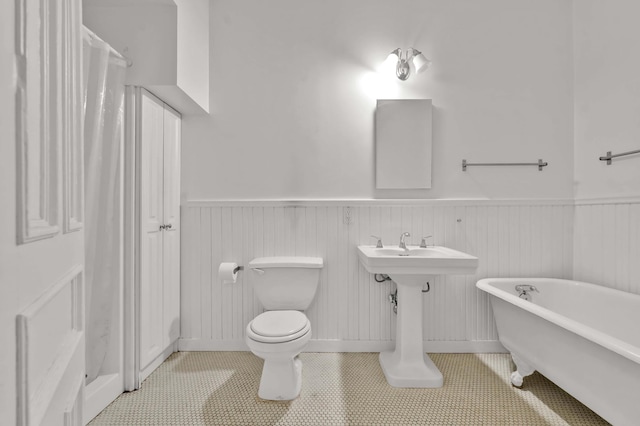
(401, 61)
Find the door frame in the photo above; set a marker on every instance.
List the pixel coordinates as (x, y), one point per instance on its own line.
(131, 240)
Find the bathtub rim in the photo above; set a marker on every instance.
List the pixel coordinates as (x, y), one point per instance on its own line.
(614, 344)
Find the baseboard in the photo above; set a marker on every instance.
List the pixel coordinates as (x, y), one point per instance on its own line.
(145, 372)
(349, 345)
(464, 347)
(196, 345)
(488, 346)
(100, 393)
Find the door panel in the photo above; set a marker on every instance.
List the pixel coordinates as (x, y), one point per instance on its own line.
(42, 361)
(171, 275)
(172, 128)
(151, 296)
(151, 164)
(171, 255)
(159, 237)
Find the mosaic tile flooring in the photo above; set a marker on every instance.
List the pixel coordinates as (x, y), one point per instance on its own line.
(220, 388)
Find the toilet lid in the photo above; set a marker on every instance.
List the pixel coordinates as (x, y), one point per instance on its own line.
(279, 323)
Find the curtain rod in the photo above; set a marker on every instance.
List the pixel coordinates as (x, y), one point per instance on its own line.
(93, 36)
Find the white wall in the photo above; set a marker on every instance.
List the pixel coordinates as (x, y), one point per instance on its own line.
(193, 49)
(143, 31)
(607, 97)
(167, 42)
(607, 107)
(293, 93)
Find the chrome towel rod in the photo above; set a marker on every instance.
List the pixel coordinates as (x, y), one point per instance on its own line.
(608, 157)
(540, 164)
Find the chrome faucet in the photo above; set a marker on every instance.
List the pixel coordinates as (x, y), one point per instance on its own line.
(523, 291)
(402, 244)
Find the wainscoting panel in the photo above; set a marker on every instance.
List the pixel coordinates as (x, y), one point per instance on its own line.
(50, 335)
(70, 132)
(351, 310)
(36, 107)
(607, 244)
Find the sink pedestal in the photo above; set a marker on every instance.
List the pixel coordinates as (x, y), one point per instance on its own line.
(408, 366)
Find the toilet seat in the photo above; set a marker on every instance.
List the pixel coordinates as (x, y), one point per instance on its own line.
(278, 326)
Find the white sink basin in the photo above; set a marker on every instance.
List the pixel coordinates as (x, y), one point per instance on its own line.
(433, 260)
(407, 366)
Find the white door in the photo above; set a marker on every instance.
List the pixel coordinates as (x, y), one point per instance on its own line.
(41, 236)
(150, 196)
(171, 243)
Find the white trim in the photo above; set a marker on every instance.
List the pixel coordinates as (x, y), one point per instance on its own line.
(376, 202)
(42, 180)
(490, 346)
(100, 393)
(607, 200)
(462, 346)
(75, 407)
(349, 346)
(197, 345)
(145, 372)
(71, 123)
(33, 403)
(130, 224)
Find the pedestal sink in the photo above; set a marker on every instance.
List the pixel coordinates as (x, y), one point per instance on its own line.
(408, 366)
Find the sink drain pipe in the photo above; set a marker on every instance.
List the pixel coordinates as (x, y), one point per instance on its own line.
(380, 278)
(393, 297)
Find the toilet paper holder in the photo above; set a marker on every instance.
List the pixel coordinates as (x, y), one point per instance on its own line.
(228, 272)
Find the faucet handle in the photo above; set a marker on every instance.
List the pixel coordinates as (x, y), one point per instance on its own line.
(423, 243)
(379, 245)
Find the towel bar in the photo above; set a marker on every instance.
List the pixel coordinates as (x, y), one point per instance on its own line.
(608, 157)
(540, 164)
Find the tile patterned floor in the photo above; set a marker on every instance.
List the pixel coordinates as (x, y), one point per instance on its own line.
(220, 388)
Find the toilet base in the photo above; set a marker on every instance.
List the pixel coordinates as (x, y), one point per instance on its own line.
(281, 379)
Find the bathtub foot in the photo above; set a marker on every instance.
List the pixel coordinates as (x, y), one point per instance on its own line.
(516, 380)
(523, 369)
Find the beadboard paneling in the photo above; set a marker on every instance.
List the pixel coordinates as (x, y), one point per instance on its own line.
(607, 244)
(510, 239)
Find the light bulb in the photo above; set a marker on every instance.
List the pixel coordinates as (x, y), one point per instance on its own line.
(420, 62)
(389, 65)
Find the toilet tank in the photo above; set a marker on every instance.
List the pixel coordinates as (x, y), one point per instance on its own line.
(285, 282)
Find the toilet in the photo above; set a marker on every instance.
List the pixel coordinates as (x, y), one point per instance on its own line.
(285, 286)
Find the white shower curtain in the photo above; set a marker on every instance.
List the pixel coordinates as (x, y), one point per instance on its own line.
(103, 133)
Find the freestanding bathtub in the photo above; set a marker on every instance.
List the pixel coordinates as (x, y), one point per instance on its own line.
(583, 337)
